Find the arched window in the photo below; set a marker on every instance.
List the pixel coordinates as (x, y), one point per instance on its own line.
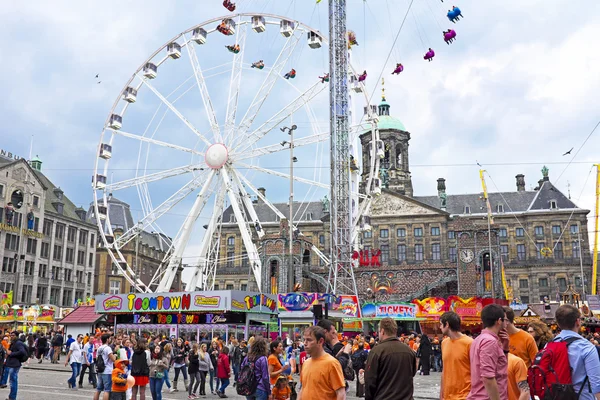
(399, 157)
(273, 274)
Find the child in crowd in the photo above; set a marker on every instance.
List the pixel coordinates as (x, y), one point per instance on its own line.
(119, 380)
(281, 390)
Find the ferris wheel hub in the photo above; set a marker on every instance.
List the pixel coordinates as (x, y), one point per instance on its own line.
(216, 155)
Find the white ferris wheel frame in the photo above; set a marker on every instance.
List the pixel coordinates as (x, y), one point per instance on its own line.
(233, 184)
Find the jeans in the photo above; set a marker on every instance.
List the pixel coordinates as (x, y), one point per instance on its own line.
(224, 384)
(236, 371)
(212, 380)
(118, 396)
(104, 382)
(183, 370)
(258, 395)
(92, 372)
(75, 367)
(156, 385)
(13, 373)
(194, 378)
(437, 363)
(166, 379)
(202, 382)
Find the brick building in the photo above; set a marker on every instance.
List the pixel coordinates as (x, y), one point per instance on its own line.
(431, 245)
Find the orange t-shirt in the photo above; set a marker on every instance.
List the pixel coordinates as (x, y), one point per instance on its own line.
(522, 345)
(321, 377)
(274, 361)
(517, 372)
(281, 394)
(456, 375)
(5, 344)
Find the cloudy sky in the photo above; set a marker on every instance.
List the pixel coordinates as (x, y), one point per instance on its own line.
(518, 88)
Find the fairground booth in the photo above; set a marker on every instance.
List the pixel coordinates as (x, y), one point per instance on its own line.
(298, 311)
(429, 311)
(405, 315)
(188, 314)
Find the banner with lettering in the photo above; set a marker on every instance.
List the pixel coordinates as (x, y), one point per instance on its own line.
(346, 304)
(467, 308)
(394, 310)
(431, 307)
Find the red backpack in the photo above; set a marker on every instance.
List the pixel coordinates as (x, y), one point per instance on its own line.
(549, 376)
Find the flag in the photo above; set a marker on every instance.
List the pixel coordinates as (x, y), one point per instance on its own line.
(318, 1)
(504, 283)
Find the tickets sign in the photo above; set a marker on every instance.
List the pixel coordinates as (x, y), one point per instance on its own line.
(389, 310)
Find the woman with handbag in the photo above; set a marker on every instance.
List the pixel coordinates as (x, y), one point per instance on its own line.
(158, 365)
(205, 366)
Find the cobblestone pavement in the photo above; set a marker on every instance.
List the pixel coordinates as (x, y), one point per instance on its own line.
(49, 381)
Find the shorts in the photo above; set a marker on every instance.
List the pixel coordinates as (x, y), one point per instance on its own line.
(141, 380)
(104, 383)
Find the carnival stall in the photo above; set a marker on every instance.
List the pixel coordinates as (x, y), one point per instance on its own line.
(189, 314)
(298, 311)
(405, 315)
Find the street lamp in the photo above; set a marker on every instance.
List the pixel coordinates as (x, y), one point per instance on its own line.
(293, 159)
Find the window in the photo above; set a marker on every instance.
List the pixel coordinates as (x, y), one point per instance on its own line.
(231, 241)
(520, 232)
(92, 241)
(562, 284)
(67, 299)
(6, 287)
(57, 253)
(308, 217)
(322, 239)
(366, 235)
(574, 229)
(83, 238)
(435, 231)
(521, 251)
(553, 205)
(578, 281)
(45, 253)
(54, 293)
(43, 271)
(539, 231)
(244, 287)
(232, 218)
(216, 286)
(556, 229)
(503, 233)
(435, 251)
(36, 201)
(575, 247)
(504, 252)
(80, 257)
(1, 190)
(384, 233)
(543, 282)
(42, 293)
(71, 234)
(539, 246)
(31, 246)
(401, 232)
(230, 259)
(385, 254)
(29, 267)
(418, 232)
(47, 227)
(91, 260)
(9, 264)
(451, 235)
(525, 299)
(401, 252)
(245, 262)
(70, 253)
(26, 293)
(115, 287)
(68, 275)
(59, 233)
(500, 208)
(418, 252)
(12, 242)
(467, 210)
(229, 286)
(523, 283)
(452, 254)
(558, 250)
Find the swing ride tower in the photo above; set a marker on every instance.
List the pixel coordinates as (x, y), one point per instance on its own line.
(341, 275)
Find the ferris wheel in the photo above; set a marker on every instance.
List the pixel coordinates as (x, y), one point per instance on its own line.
(180, 156)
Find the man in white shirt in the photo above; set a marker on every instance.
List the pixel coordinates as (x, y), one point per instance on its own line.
(89, 355)
(105, 377)
(75, 357)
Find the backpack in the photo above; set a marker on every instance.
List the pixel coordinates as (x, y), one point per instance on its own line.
(247, 382)
(24, 357)
(358, 360)
(100, 365)
(549, 376)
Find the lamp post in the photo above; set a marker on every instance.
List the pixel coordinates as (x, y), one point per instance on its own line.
(290, 271)
(581, 264)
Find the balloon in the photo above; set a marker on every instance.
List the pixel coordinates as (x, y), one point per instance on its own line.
(130, 382)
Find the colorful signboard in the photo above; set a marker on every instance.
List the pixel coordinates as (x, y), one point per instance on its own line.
(33, 314)
(430, 308)
(392, 310)
(347, 305)
(219, 300)
(467, 308)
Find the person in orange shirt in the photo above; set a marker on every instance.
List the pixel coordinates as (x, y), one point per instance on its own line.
(518, 388)
(321, 375)
(281, 390)
(5, 343)
(521, 343)
(456, 374)
(274, 361)
(119, 380)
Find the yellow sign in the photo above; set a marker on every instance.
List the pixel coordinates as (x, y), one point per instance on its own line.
(26, 232)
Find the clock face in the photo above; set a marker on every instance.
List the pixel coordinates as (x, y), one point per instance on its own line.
(466, 256)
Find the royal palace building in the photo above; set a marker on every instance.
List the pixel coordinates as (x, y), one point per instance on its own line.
(420, 246)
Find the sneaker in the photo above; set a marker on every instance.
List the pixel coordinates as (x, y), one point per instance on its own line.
(191, 397)
(172, 390)
(5, 386)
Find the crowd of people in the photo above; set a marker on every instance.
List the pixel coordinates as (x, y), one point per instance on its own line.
(319, 365)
